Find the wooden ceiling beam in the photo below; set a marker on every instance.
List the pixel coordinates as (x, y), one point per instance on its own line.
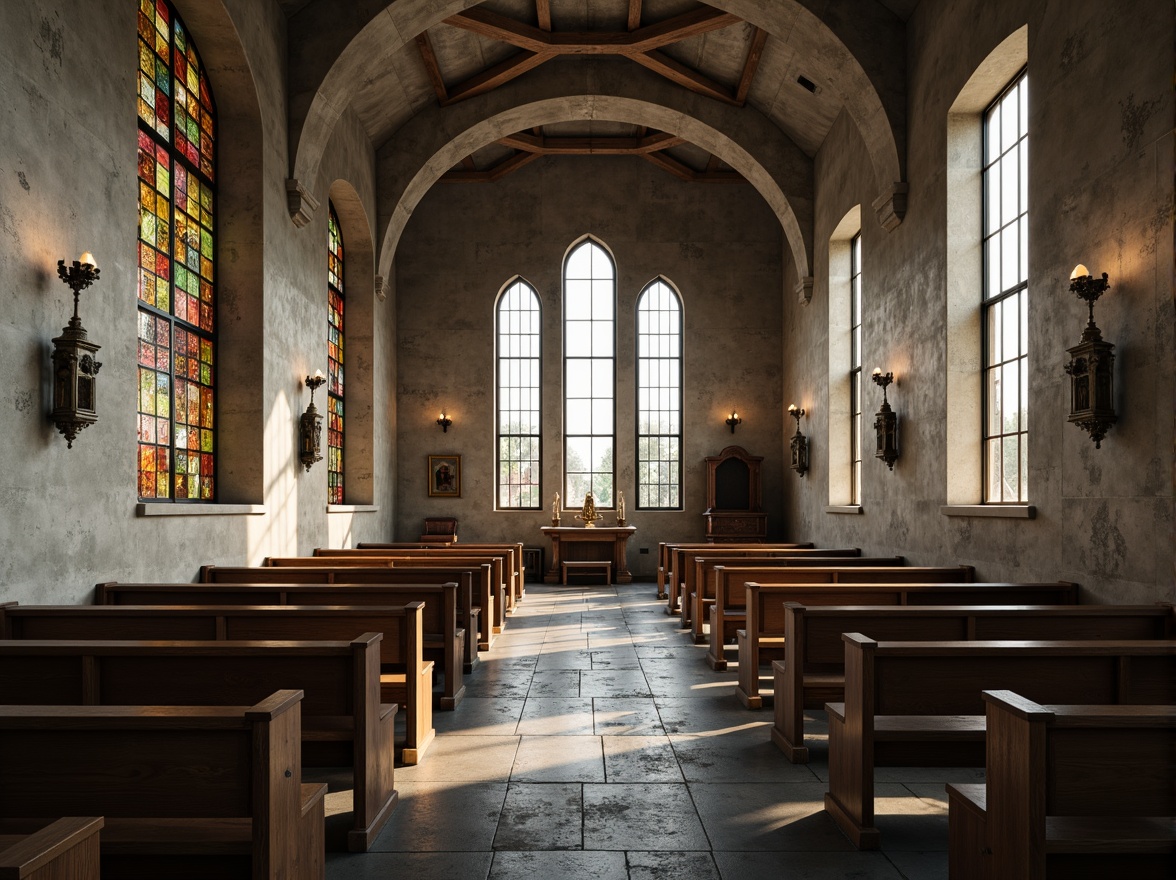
(543, 14)
(681, 27)
(668, 163)
(664, 65)
(754, 53)
(634, 14)
(489, 24)
(501, 73)
(591, 146)
(425, 45)
(491, 175)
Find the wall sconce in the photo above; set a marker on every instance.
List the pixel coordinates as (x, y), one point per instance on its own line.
(1092, 365)
(885, 422)
(800, 450)
(310, 425)
(75, 371)
(444, 421)
(733, 420)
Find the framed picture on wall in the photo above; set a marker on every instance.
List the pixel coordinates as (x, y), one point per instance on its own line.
(444, 476)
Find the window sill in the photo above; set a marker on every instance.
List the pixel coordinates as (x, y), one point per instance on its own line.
(352, 508)
(144, 509)
(844, 508)
(1007, 511)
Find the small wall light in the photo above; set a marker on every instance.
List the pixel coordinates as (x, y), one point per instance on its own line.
(1092, 365)
(444, 421)
(310, 425)
(885, 422)
(800, 450)
(75, 371)
(733, 420)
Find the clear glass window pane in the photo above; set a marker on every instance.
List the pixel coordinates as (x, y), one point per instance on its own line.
(518, 397)
(659, 374)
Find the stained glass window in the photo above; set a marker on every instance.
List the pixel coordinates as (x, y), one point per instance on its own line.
(659, 397)
(519, 392)
(176, 289)
(334, 359)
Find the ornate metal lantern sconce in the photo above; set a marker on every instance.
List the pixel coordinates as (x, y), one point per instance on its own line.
(800, 449)
(310, 425)
(75, 371)
(733, 420)
(1092, 365)
(444, 421)
(885, 422)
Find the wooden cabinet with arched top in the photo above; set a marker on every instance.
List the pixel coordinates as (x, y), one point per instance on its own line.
(734, 497)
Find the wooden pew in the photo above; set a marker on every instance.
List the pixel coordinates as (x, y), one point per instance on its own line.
(1070, 791)
(680, 553)
(812, 671)
(320, 571)
(698, 589)
(437, 639)
(406, 678)
(66, 849)
(185, 791)
(517, 565)
(918, 704)
(728, 613)
(343, 720)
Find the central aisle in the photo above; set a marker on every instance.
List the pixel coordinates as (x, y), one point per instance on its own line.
(595, 742)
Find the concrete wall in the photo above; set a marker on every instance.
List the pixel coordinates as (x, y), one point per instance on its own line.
(1101, 193)
(719, 244)
(68, 184)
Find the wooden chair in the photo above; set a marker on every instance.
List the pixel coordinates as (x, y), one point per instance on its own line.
(440, 530)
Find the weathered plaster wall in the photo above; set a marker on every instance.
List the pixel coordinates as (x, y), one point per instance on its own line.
(720, 245)
(1101, 193)
(68, 184)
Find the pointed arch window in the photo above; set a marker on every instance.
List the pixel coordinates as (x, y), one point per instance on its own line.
(176, 302)
(659, 397)
(334, 358)
(855, 369)
(590, 296)
(519, 386)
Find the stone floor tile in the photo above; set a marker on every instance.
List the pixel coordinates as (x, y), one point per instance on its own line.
(423, 820)
(541, 817)
(736, 757)
(497, 682)
(464, 759)
(620, 816)
(418, 865)
(565, 865)
(671, 866)
(555, 716)
(559, 759)
(769, 816)
(626, 716)
(769, 865)
(908, 822)
(640, 759)
(613, 656)
(563, 659)
(481, 716)
(712, 715)
(561, 683)
(614, 683)
(920, 865)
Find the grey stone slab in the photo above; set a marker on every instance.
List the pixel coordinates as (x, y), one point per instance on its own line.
(613, 656)
(555, 683)
(670, 866)
(919, 865)
(626, 716)
(775, 865)
(769, 816)
(497, 683)
(736, 756)
(671, 678)
(423, 820)
(561, 659)
(551, 716)
(683, 652)
(481, 716)
(640, 759)
(559, 759)
(418, 865)
(709, 715)
(908, 822)
(568, 864)
(541, 817)
(614, 683)
(641, 816)
(464, 759)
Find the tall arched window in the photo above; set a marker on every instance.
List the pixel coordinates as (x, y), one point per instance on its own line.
(519, 390)
(659, 397)
(334, 359)
(176, 290)
(855, 369)
(589, 362)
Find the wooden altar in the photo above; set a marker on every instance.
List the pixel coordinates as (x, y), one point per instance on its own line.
(598, 544)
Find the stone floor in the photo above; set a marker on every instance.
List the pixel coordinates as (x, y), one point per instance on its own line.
(595, 742)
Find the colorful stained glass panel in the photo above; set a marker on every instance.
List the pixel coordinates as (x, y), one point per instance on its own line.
(334, 359)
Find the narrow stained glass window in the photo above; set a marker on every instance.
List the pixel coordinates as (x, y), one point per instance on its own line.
(519, 393)
(855, 369)
(334, 359)
(659, 397)
(176, 286)
(589, 362)
(1005, 297)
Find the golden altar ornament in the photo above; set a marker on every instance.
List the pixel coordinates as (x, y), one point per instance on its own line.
(588, 512)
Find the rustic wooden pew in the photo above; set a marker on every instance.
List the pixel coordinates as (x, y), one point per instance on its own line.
(1070, 791)
(812, 671)
(918, 704)
(680, 554)
(185, 791)
(406, 678)
(467, 612)
(698, 590)
(517, 565)
(323, 570)
(728, 613)
(343, 720)
(66, 849)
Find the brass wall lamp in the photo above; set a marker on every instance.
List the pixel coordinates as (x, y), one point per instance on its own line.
(444, 421)
(310, 425)
(800, 447)
(1092, 365)
(75, 371)
(885, 422)
(733, 420)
